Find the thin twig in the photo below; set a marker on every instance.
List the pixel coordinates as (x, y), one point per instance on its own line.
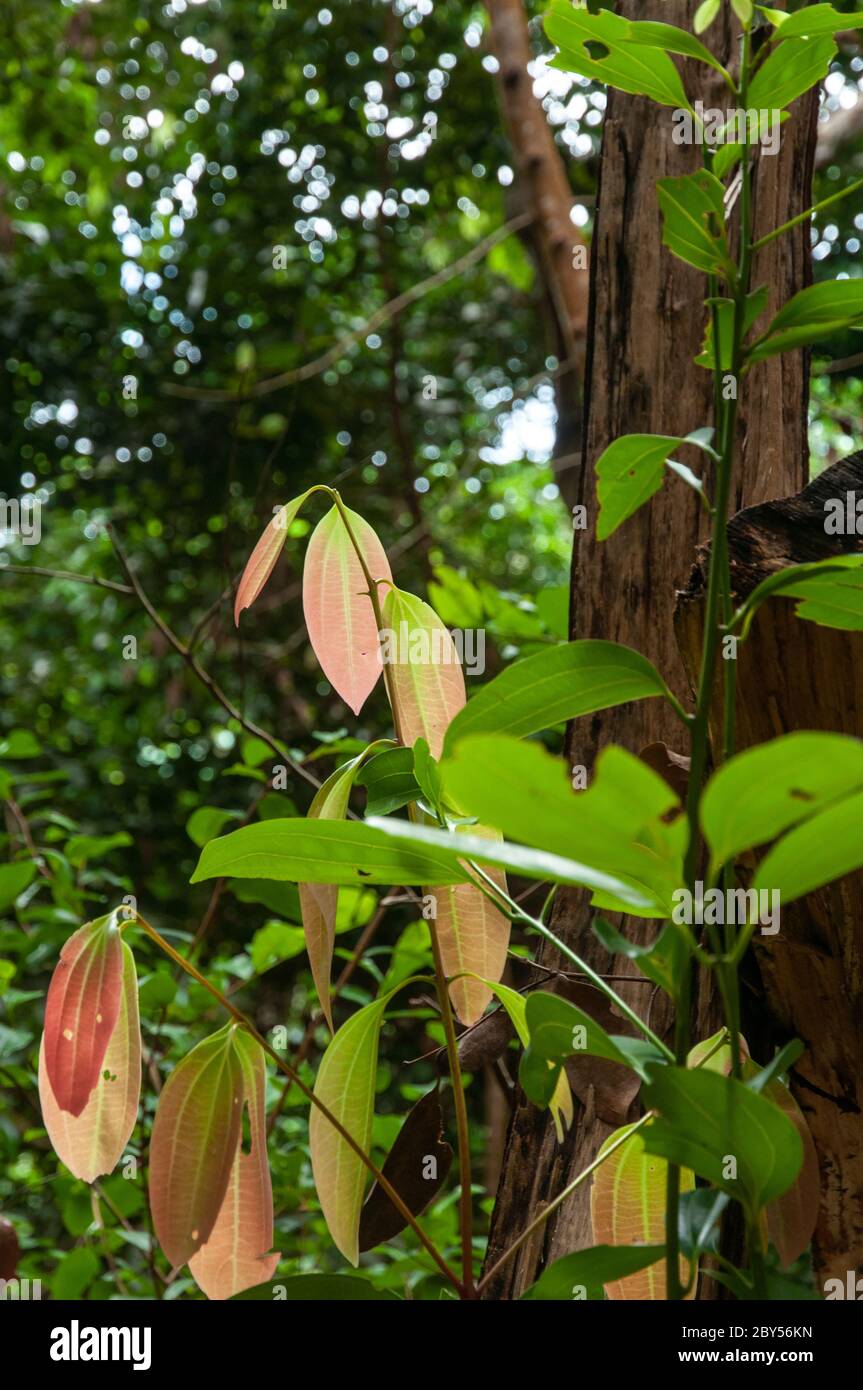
(376, 320)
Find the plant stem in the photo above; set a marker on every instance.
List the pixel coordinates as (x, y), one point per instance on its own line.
(518, 914)
(561, 1197)
(810, 212)
(297, 1080)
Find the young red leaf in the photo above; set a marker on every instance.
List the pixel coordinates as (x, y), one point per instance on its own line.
(236, 1255)
(261, 562)
(81, 1010)
(91, 1143)
(195, 1137)
(424, 670)
(337, 607)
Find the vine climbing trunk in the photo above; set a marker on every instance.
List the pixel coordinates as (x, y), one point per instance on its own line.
(646, 326)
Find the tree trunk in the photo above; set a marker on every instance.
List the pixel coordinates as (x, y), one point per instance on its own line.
(647, 325)
(795, 675)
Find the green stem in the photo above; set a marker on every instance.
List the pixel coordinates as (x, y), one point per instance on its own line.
(517, 913)
(810, 212)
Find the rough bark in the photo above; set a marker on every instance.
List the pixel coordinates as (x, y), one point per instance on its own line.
(795, 675)
(647, 324)
(543, 186)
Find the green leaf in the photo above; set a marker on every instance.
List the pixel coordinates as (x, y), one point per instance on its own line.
(830, 593)
(814, 313)
(20, 743)
(628, 824)
(694, 221)
(558, 1030)
(389, 781)
(818, 19)
(81, 848)
(663, 962)
(825, 847)
(590, 1270)
(319, 901)
(305, 851)
(744, 10)
(345, 1084)
(790, 69)
(707, 1119)
(14, 878)
(673, 40)
(547, 1085)
(628, 473)
(555, 685)
(760, 793)
(205, 823)
(609, 889)
(755, 305)
(705, 15)
(601, 47)
(427, 773)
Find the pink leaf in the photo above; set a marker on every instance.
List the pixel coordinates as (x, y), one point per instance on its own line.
(262, 560)
(91, 1143)
(81, 1011)
(337, 607)
(195, 1137)
(236, 1255)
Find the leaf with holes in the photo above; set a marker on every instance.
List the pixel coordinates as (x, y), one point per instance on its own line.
(338, 609)
(262, 560)
(81, 1011)
(601, 47)
(237, 1254)
(627, 1207)
(764, 791)
(629, 822)
(91, 1143)
(195, 1137)
(694, 222)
